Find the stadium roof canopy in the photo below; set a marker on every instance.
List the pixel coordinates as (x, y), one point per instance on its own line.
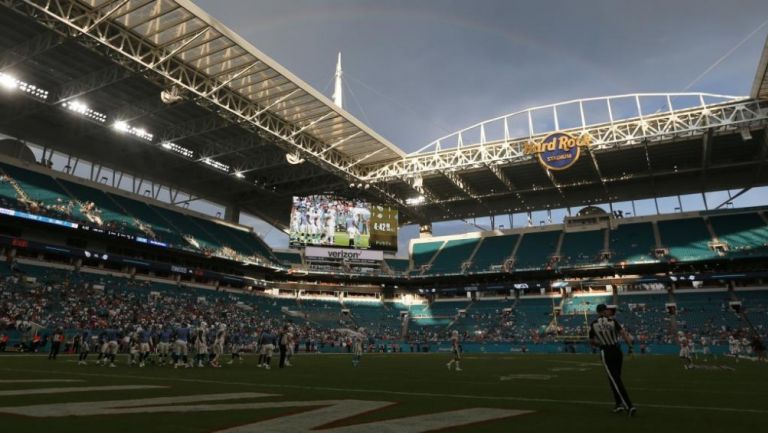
(238, 112)
(231, 116)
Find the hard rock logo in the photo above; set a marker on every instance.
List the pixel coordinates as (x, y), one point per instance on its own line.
(558, 150)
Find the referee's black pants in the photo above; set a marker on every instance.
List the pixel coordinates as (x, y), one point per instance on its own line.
(283, 352)
(612, 359)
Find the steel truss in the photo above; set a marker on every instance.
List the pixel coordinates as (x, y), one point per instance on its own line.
(694, 122)
(69, 17)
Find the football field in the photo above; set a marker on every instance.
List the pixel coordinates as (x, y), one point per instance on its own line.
(397, 393)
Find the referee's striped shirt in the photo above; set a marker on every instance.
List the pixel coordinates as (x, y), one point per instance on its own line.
(606, 331)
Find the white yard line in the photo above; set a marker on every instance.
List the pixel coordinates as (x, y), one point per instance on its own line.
(39, 380)
(410, 394)
(16, 392)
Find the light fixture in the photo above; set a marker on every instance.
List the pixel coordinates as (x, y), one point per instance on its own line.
(82, 109)
(121, 126)
(8, 81)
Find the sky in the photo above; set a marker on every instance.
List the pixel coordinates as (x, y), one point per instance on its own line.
(418, 70)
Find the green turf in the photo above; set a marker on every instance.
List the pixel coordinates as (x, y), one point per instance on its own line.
(565, 392)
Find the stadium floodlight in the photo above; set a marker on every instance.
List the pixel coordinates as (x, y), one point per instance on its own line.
(121, 126)
(82, 109)
(181, 150)
(216, 164)
(8, 81)
(415, 200)
(78, 107)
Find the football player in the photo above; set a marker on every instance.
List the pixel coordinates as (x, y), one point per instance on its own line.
(456, 351)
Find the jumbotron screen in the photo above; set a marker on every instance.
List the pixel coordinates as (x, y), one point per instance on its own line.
(322, 220)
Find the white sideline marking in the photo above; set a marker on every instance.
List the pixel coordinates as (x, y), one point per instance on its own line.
(39, 380)
(141, 405)
(528, 377)
(325, 412)
(407, 393)
(15, 392)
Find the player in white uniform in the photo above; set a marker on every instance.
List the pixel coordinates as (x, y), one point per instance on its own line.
(734, 347)
(330, 227)
(685, 350)
(357, 349)
(746, 347)
(218, 346)
(201, 345)
(692, 348)
(705, 351)
(456, 351)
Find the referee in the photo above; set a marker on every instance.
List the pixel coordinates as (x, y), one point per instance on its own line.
(604, 333)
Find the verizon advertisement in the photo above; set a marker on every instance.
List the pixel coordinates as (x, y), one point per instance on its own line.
(344, 254)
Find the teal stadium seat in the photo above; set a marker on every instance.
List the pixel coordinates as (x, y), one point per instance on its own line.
(109, 211)
(493, 251)
(288, 257)
(452, 255)
(745, 234)
(633, 243)
(582, 248)
(423, 253)
(399, 266)
(535, 249)
(687, 239)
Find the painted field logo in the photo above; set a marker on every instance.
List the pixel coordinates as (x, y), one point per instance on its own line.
(559, 150)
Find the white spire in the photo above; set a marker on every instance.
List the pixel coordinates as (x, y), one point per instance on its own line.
(337, 92)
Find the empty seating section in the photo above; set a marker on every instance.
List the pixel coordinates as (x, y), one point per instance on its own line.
(37, 186)
(536, 249)
(582, 248)
(106, 208)
(745, 234)
(288, 257)
(581, 304)
(188, 229)
(8, 195)
(25, 189)
(162, 229)
(687, 239)
(632, 243)
(397, 265)
(42, 190)
(493, 251)
(452, 255)
(423, 253)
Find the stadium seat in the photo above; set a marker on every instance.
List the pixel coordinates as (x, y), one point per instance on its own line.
(452, 255)
(687, 239)
(633, 243)
(582, 248)
(536, 249)
(493, 251)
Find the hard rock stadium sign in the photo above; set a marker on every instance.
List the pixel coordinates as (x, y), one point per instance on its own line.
(559, 150)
